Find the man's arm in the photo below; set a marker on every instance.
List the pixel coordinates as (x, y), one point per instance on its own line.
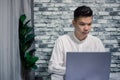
(56, 68)
(100, 46)
(56, 61)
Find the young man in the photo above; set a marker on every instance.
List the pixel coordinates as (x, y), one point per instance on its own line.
(77, 41)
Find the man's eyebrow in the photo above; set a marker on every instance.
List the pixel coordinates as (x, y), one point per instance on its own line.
(82, 23)
(85, 23)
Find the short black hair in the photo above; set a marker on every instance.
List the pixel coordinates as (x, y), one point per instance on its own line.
(83, 11)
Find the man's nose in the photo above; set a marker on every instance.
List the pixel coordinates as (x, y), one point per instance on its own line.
(86, 27)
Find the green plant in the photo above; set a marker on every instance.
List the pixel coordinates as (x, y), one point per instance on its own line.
(26, 40)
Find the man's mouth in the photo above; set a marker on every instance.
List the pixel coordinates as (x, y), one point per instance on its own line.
(85, 32)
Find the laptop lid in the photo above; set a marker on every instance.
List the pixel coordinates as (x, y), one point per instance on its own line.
(88, 66)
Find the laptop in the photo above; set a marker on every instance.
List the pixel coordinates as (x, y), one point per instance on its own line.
(88, 65)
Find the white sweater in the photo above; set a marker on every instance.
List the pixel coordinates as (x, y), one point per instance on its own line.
(69, 43)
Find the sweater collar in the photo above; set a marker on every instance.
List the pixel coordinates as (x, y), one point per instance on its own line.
(77, 40)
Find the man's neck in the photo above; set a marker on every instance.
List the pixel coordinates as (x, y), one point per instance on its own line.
(80, 37)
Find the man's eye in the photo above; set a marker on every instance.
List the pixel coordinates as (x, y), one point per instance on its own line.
(89, 24)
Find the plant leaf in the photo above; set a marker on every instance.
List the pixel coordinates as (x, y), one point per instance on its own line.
(31, 51)
(31, 59)
(34, 67)
(25, 30)
(22, 18)
(26, 39)
(29, 37)
(26, 23)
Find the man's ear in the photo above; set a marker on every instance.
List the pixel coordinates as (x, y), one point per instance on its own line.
(73, 22)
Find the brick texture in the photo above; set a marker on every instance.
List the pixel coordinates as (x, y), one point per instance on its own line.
(53, 18)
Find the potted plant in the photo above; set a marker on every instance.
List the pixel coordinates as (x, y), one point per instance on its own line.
(26, 40)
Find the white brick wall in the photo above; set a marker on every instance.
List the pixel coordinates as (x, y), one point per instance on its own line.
(53, 18)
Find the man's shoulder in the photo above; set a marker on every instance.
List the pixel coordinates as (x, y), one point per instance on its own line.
(65, 36)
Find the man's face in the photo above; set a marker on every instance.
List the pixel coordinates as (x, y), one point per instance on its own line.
(82, 26)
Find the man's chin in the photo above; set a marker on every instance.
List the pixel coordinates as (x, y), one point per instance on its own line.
(85, 34)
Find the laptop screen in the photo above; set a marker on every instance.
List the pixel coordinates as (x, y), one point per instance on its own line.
(88, 66)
